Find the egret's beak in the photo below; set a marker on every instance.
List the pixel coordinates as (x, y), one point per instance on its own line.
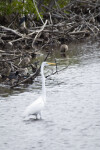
(51, 63)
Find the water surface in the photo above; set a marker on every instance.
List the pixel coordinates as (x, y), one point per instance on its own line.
(71, 118)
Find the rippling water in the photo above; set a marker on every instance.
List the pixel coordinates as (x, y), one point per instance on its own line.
(71, 118)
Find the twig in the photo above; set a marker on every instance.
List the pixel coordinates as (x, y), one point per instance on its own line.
(10, 59)
(50, 18)
(38, 12)
(57, 71)
(19, 39)
(11, 30)
(39, 33)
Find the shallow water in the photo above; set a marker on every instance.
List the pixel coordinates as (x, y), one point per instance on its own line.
(71, 118)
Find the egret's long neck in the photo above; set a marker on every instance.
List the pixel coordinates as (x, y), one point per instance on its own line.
(43, 83)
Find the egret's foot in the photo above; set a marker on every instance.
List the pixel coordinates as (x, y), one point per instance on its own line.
(38, 116)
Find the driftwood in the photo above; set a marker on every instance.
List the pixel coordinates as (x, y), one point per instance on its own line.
(37, 35)
(31, 77)
(5, 29)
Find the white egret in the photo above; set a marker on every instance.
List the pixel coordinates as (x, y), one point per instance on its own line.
(36, 107)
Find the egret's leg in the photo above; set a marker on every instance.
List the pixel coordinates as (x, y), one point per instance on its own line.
(36, 116)
(40, 115)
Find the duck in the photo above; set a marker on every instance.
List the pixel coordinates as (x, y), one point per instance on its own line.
(63, 48)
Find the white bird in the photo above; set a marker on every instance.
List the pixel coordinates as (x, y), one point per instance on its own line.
(36, 107)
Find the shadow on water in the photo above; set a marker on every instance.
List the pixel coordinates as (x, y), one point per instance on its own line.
(5, 91)
(30, 120)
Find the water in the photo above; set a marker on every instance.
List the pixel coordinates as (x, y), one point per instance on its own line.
(71, 118)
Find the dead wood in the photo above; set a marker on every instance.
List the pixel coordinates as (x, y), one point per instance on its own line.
(78, 20)
(31, 77)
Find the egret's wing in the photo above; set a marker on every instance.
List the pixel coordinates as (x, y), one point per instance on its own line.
(35, 107)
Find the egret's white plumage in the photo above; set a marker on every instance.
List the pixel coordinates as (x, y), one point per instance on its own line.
(36, 107)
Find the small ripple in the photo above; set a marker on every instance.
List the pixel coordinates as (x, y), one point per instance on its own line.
(65, 129)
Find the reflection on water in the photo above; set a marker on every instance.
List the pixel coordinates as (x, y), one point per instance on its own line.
(71, 118)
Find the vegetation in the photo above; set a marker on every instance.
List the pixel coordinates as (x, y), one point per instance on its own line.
(27, 6)
(49, 23)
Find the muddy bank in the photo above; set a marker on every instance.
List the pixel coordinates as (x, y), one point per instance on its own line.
(19, 46)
